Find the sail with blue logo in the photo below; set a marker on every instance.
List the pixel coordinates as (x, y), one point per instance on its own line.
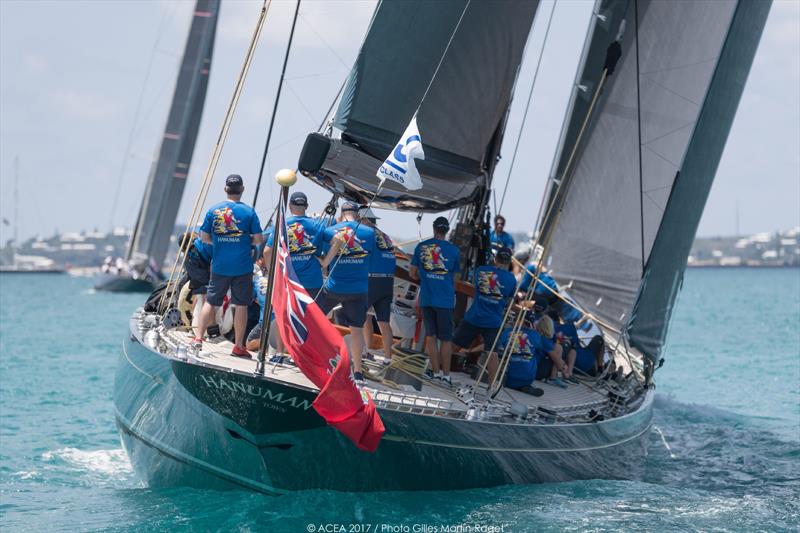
(462, 116)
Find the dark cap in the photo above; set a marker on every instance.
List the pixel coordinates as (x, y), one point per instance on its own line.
(298, 198)
(234, 181)
(441, 223)
(349, 206)
(503, 255)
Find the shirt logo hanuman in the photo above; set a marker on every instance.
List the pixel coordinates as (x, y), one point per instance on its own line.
(225, 223)
(432, 259)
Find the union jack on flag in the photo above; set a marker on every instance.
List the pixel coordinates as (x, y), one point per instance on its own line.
(297, 299)
(319, 351)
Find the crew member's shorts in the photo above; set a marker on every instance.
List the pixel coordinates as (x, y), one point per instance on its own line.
(198, 270)
(467, 331)
(241, 289)
(381, 293)
(354, 306)
(438, 322)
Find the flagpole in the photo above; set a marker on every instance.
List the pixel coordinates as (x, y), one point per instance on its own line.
(285, 178)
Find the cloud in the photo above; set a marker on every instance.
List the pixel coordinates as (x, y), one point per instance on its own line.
(83, 105)
(35, 63)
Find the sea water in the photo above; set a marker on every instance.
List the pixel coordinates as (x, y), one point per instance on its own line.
(724, 455)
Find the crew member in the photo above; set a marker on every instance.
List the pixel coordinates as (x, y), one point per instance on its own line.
(498, 236)
(232, 227)
(304, 235)
(197, 264)
(494, 286)
(381, 284)
(351, 244)
(435, 264)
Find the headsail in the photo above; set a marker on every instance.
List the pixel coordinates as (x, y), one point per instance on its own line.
(625, 215)
(461, 116)
(168, 174)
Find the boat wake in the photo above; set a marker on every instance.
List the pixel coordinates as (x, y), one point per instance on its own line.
(97, 466)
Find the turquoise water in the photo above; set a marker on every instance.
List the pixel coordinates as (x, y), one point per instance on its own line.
(728, 407)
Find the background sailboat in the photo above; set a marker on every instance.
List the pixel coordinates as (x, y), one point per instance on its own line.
(162, 197)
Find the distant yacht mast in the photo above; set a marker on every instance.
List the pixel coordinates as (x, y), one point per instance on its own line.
(16, 207)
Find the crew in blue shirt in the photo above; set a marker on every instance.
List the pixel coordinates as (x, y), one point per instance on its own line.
(232, 227)
(197, 263)
(380, 294)
(350, 246)
(499, 238)
(544, 279)
(305, 238)
(494, 286)
(435, 264)
(525, 349)
(588, 359)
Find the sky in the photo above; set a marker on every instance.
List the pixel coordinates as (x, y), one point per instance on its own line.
(72, 75)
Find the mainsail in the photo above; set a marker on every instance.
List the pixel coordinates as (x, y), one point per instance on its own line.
(167, 179)
(622, 218)
(461, 119)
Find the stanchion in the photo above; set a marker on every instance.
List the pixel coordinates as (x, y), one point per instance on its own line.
(285, 178)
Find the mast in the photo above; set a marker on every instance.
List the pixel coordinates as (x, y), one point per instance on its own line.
(16, 208)
(167, 180)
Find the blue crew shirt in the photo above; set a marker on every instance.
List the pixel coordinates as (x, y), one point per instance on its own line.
(438, 262)
(544, 278)
(204, 250)
(231, 225)
(493, 287)
(305, 236)
(348, 273)
(501, 240)
(383, 261)
(526, 348)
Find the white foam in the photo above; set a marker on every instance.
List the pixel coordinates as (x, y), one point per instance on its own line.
(23, 474)
(107, 462)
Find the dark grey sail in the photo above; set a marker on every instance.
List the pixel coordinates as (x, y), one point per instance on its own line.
(462, 116)
(168, 175)
(625, 214)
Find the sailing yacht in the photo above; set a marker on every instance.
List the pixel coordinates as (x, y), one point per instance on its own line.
(655, 94)
(140, 271)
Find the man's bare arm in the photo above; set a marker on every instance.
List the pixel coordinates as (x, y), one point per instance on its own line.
(336, 245)
(206, 238)
(413, 272)
(257, 238)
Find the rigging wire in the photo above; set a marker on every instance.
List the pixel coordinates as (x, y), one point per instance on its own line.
(275, 106)
(132, 135)
(441, 59)
(639, 125)
(216, 151)
(527, 106)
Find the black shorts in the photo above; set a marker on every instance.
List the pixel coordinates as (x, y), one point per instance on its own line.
(380, 296)
(438, 322)
(354, 307)
(467, 331)
(241, 289)
(198, 270)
